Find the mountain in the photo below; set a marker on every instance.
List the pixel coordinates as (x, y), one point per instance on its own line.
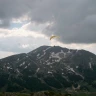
(48, 68)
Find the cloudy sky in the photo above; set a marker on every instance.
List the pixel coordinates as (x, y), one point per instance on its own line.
(28, 24)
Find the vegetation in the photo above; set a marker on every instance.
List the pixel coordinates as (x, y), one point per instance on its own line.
(47, 93)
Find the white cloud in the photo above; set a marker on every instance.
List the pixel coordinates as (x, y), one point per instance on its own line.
(88, 47)
(21, 40)
(22, 19)
(20, 32)
(4, 54)
(24, 45)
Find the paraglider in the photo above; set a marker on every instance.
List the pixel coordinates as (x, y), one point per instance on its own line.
(53, 37)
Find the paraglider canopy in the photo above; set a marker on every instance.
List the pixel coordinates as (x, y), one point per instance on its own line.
(52, 37)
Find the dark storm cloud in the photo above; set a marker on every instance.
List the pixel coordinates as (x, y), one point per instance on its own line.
(73, 20)
(10, 9)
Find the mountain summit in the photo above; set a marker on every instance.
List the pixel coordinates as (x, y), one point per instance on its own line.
(47, 68)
